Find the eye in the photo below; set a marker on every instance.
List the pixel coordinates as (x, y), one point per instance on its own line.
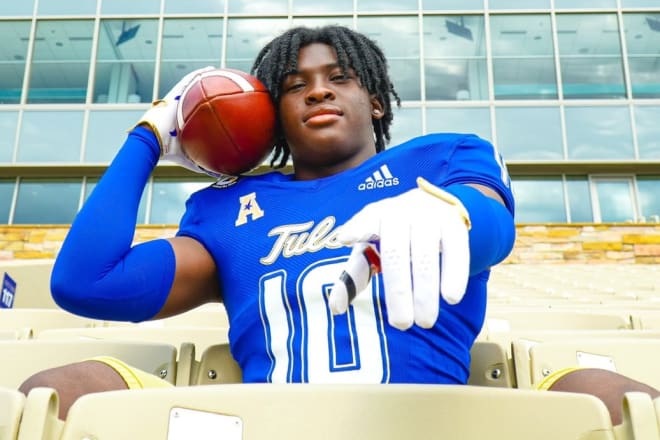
(293, 86)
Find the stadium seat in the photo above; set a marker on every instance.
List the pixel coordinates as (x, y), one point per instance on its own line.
(635, 358)
(207, 315)
(21, 359)
(33, 321)
(11, 410)
(216, 366)
(639, 417)
(491, 365)
(532, 318)
(303, 411)
(32, 278)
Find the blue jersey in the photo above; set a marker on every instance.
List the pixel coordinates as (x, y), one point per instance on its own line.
(273, 239)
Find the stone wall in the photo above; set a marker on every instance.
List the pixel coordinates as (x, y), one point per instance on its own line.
(575, 243)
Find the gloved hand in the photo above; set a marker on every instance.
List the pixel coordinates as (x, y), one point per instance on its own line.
(422, 236)
(161, 118)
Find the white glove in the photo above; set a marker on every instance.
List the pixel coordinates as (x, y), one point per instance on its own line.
(424, 253)
(161, 118)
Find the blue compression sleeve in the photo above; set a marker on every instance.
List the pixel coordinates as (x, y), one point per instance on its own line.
(97, 273)
(493, 233)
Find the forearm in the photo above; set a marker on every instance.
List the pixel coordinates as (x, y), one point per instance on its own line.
(97, 273)
(492, 233)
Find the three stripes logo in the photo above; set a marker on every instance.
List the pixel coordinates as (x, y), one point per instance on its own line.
(381, 178)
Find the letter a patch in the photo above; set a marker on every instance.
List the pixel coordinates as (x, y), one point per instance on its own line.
(249, 207)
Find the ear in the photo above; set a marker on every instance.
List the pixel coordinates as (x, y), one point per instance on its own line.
(377, 111)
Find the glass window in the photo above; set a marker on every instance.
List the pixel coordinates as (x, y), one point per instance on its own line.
(125, 61)
(322, 21)
(529, 133)
(539, 199)
(50, 136)
(586, 4)
(523, 58)
(58, 7)
(639, 3)
(14, 36)
(90, 184)
(261, 7)
(642, 33)
(599, 133)
(455, 58)
(47, 201)
(648, 131)
(8, 121)
(60, 65)
(407, 124)
(579, 199)
(615, 199)
(107, 132)
(516, 4)
(130, 6)
(194, 6)
(386, 5)
(188, 44)
(452, 5)
(459, 120)
(246, 37)
(25, 7)
(399, 39)
(590, 56)
(306, 6)
(649, 197)
(6, 196)
(168, 202)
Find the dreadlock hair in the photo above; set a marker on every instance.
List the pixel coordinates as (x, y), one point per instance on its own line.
(354, 50)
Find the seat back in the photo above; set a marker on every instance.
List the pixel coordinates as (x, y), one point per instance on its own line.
(216, 366)
(34, 321)
(11, 410)
(32, 278)
(491, 365)
(21, 359)
(303, 411)
(520, 318)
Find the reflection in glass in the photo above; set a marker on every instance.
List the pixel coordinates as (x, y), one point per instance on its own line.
(194, 6)
(648, 131)
(459, 120)
(130, 7)
(322, 21)
(451, 5)
(406, 125)
(246, 37)
(585, 4)
(386, 5)
(125, 61)
(455, 58)
(579, 199)
(399, 39)
(8, 121)
(50, 136)
(529, 133)
(6, 196)
(531, 207)
(614, 200)
(90, 184)
(13, 35)
(24, 7)
(58, 7)
(523, 61)
(169, 198)
(642, 33)
(188, 44)
(60, 66)
(260, 7)
(648, 188)
(515, 4)
(107, 132)
(590, 56)
(599, 133)
(306, 6)
(51, 201)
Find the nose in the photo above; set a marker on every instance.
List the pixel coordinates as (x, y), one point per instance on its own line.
(319, 92)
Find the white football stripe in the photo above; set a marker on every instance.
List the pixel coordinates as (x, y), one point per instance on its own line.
(241, 82)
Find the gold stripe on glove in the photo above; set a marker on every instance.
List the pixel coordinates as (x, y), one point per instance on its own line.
(428, 187)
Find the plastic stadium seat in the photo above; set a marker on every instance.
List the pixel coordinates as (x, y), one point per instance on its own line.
(36, 320)
(491, 365)
(635, 358)
(32, 278)
(21, 359)
(302, 411)
(207, 315)
(216, 366)
(11, 410)
(521, 318)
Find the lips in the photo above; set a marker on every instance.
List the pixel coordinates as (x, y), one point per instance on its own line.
(322, 111)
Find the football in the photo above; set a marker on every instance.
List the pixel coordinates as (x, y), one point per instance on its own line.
(226, 121)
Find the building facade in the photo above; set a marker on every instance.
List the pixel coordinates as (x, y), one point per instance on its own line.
(567, 90)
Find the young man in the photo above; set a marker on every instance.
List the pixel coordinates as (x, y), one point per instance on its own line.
(431, 216)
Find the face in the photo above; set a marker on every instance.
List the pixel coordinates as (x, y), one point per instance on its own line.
(326, 115)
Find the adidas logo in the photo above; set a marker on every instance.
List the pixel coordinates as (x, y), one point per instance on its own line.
(380, 178)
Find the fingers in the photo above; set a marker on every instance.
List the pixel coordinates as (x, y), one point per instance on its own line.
(395, 263)
(353, 279)
(455, 260)
(425, 256)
